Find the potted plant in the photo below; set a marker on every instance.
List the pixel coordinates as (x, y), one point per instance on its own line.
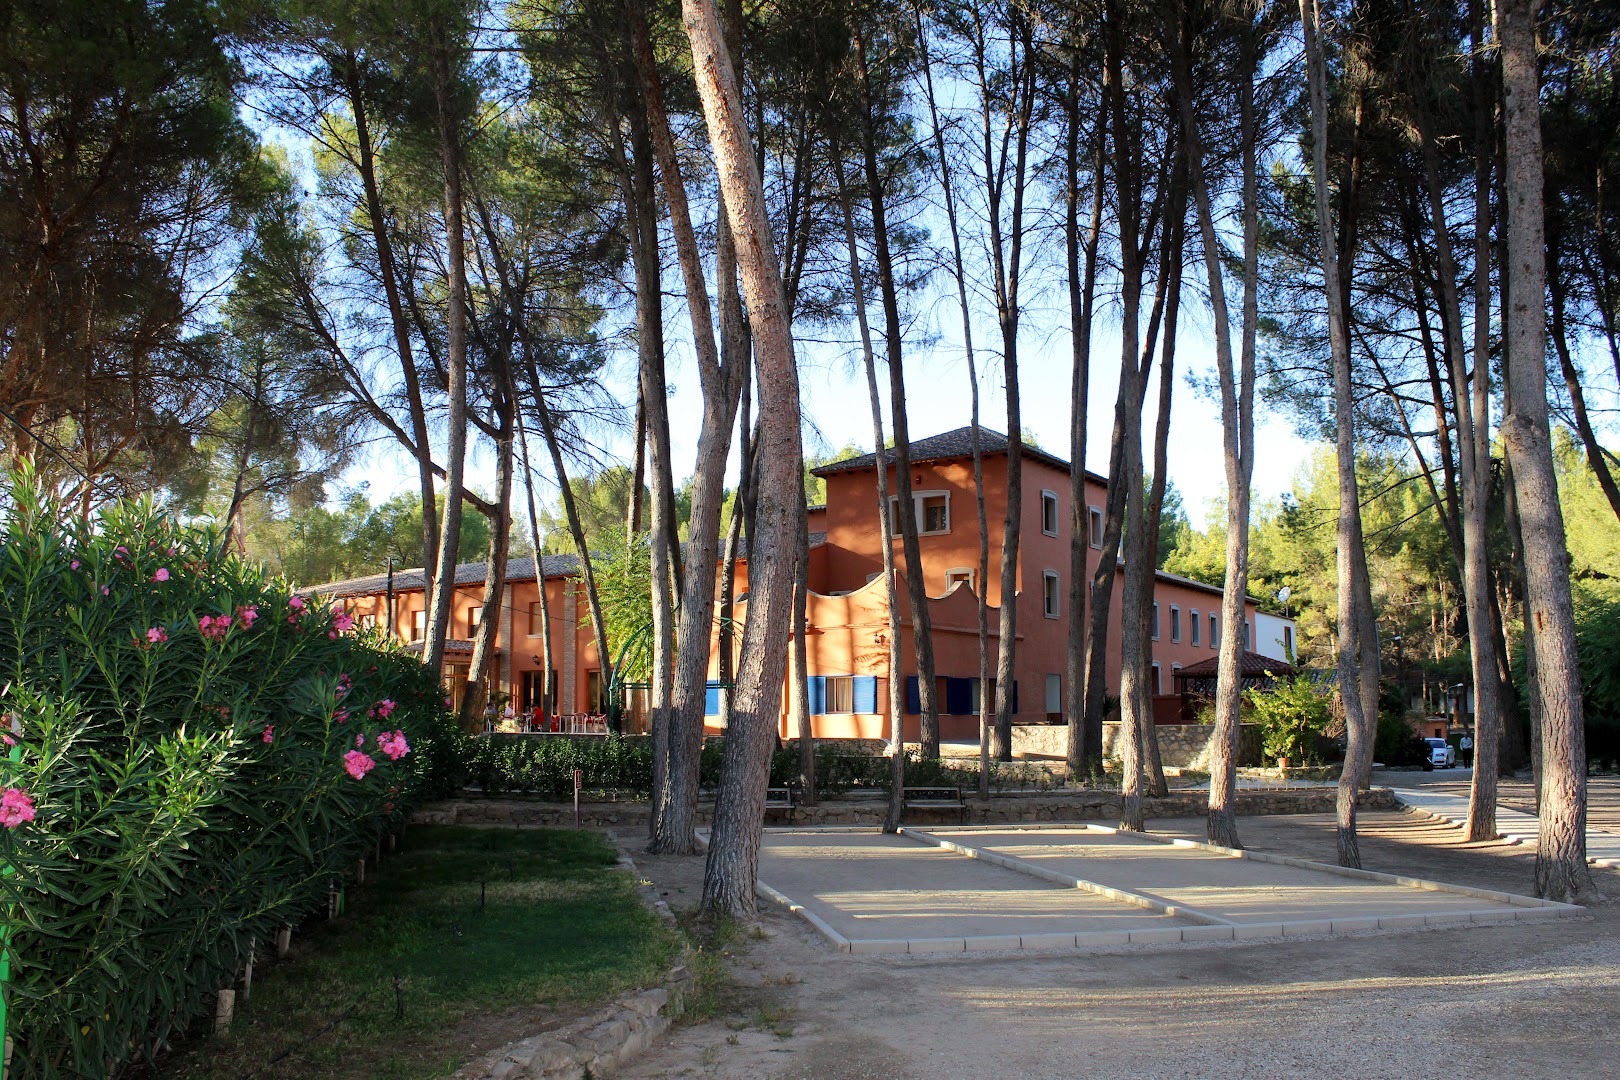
(1291, 713)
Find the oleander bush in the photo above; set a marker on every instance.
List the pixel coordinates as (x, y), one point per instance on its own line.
(199, 755)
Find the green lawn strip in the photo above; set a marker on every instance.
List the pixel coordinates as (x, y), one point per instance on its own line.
(488, 931)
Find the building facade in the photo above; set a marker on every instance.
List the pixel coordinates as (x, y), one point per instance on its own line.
(847, 606)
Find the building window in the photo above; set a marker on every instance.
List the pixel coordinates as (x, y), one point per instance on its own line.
(1288, 642)
(840, 694)
(1054, 696)
(1195, 626)
(963, 574)
(974, 690)
(595, 692)
(474, 617)
(1049, 513)
(1214, 631)
(1094, 525)
(1246, 635)
(933, 509)
(1049, 593)
(418, 625)
(1156, 689)
(1175, 623)
(1154, 628)
(537, 622)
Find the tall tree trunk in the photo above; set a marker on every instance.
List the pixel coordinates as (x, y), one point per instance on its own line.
(674, 832)
(485, 651)
(444, 578)
(985, 706)
(1561, 871)
(1349, 528)
(548, 692)
(386, 273)
(1237, 422)
(1085, 741)
(801, 659)
(733, 863)
(576, 527)
(1473, 456)
(916, 584)
(897, 737)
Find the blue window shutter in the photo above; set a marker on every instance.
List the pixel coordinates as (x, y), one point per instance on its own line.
(958, 697)
(818, 694)
(913, 697)
(865, 693)
(711, 700)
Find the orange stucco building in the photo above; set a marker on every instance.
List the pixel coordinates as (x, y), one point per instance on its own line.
(848, 623)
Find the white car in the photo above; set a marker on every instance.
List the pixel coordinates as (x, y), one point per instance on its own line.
(1442, 755)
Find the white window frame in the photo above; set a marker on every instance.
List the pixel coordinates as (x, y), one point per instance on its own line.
(1215, 630)
(844, 685)
(1050, 498)
(1094, 526)
(1175, 622)
(1054, 693)
(1196, 627)
(956, 573)
(419, 625)
(1158, 684)
(917, 500)
(1154, 625)
(1051, 596)
(475, 615)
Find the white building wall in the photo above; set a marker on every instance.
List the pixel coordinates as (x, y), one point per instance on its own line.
(1273, 633)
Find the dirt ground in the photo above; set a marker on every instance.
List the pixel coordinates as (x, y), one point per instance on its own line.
(1531, 1000)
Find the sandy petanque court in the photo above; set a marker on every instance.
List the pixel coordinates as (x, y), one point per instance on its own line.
(958, 889)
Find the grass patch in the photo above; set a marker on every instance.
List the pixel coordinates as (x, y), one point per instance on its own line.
(488, 934)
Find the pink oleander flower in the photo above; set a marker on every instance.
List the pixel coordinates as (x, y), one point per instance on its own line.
(389, 807)
(74, 565)
(246, 614)
(162, 574)
(296, 603)
(8, 740)
(15, 807)
(383, 709)
(214, 627)
(171, 549)
(357, 764)
(393, 744)
(106, 590)
(156, 635)
(447, 703)
(269, 732)
(359, 740)
(121, 551)
(341, 715)
(343, 622)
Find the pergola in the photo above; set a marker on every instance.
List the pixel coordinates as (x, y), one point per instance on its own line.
(1198, 681)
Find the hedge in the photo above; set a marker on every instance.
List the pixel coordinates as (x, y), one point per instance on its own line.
(203, 753)
(622, 767)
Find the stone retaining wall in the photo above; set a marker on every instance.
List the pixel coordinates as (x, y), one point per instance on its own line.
(1084, 805)
(1183, 746)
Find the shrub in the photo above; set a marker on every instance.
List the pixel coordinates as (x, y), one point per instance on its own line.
(1291, 714)
(205, 754)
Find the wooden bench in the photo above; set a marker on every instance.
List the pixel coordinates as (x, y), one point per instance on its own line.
(935, 798)
(782, 798)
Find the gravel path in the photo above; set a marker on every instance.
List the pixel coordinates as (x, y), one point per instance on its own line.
(1534, 1000)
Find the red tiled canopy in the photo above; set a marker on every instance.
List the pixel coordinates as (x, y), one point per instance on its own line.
(1250, 666)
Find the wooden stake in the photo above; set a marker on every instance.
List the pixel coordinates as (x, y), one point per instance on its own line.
(331, 904)
(283, 941)
(360, 871)
(224, 1008)
(247, 976)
